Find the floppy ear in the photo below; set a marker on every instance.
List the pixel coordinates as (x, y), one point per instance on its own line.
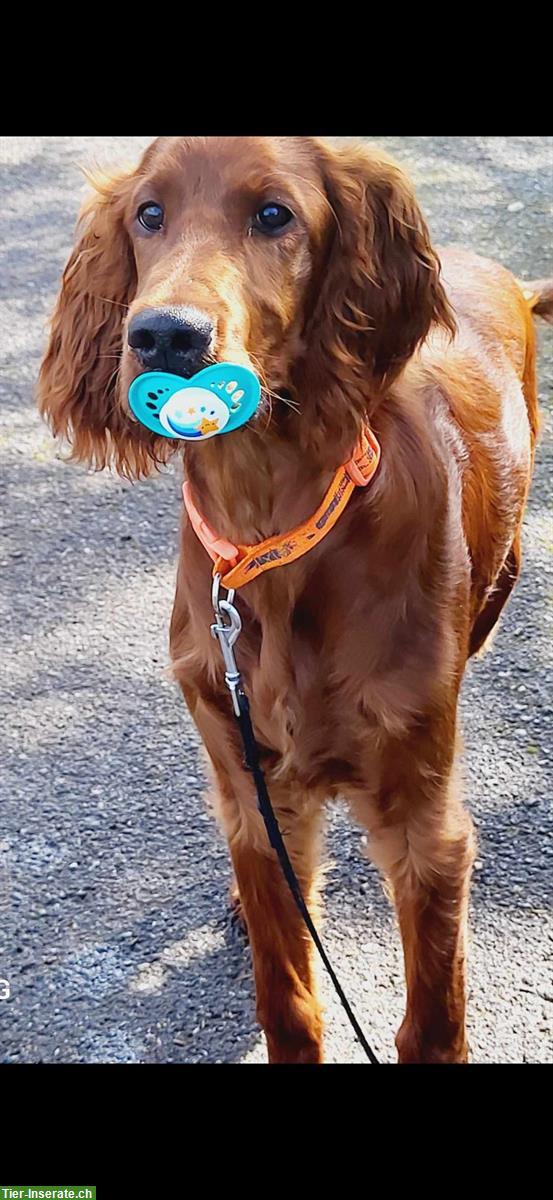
(380, 286)
(77, 388)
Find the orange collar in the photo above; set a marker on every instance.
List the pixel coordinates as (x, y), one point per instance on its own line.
(239, 564)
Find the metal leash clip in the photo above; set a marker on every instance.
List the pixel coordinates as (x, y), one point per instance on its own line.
(227, 633)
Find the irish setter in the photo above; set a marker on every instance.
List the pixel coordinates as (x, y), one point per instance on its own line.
(313, 265)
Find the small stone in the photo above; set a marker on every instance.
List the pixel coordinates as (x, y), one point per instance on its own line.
(516, 206)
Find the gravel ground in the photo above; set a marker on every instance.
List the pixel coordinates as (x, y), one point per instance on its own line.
(113, 878)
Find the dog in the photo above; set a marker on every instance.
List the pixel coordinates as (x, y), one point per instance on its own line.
(312, 265)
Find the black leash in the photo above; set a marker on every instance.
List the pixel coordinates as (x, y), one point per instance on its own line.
(227, 635)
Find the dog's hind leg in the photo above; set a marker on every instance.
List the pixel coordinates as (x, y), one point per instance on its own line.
(485, 625)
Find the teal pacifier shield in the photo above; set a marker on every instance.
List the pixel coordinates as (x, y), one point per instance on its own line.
(216, 400)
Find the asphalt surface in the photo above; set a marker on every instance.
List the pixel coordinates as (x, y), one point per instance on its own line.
(113, 882)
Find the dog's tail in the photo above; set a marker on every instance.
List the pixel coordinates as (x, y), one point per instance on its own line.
(539, 295)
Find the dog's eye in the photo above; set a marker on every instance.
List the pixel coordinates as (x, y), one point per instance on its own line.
(150, 216)
(272, 218)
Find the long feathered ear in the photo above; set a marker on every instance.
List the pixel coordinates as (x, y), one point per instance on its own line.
(77, 388)
(380, 288)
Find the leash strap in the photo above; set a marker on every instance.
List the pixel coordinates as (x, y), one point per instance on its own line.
(227, 633)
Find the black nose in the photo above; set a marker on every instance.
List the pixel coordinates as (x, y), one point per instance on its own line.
(171, 339)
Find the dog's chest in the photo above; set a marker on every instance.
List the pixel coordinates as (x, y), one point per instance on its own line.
(326, 705)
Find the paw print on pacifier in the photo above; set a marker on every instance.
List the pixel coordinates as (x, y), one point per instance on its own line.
(216, 400)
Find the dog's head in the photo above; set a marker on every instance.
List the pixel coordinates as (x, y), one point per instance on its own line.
(310, 264)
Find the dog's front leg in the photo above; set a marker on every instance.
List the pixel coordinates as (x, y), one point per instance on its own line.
(287, 1006)
(423, 842)
(430, 888)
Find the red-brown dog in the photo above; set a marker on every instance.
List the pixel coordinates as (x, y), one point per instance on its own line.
(313, 266)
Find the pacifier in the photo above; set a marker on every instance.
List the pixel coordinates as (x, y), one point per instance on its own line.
(218, 399)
